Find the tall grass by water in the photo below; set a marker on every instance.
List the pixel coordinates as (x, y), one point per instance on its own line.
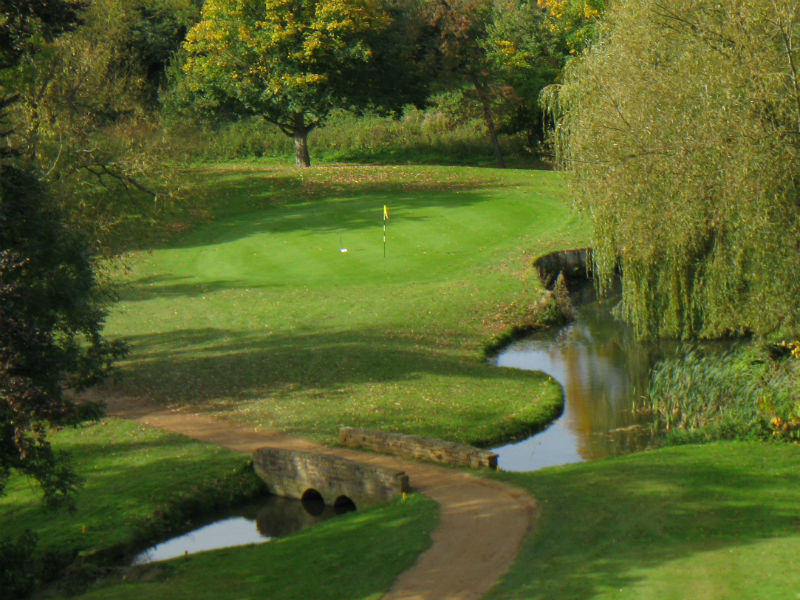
(750, 391)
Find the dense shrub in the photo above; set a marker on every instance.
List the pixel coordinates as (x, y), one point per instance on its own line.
(416, 136)
(19, 566)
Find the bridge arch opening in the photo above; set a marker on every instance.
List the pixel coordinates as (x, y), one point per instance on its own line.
(313, 502)
(343, 504)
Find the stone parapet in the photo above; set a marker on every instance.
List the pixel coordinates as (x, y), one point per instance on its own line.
(414, 446)
(573, 264)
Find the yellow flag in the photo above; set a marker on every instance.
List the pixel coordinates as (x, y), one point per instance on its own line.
(385, 212)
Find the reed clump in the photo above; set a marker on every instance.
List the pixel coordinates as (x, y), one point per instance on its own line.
(748, 392)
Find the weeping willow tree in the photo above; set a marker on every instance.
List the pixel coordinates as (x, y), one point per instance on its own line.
(680, 132)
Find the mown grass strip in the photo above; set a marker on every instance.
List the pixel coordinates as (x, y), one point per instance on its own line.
(704, 522)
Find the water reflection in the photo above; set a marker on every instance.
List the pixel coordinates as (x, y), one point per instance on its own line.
(255, 523)
(603, 371)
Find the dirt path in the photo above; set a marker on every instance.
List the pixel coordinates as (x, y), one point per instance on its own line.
(482, 523)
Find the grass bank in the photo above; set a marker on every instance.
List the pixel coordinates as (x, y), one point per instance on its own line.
(139, 483)
(142, 483)
(129, 472)
(706, 522)
(250, 307)
(355, 556)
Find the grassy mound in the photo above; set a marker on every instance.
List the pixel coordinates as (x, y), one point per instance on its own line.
(354, 556)
(253, 308)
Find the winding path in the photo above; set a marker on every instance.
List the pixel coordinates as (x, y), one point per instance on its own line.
(482, 523)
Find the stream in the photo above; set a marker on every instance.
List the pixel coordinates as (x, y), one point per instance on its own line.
(603, 371)
(254, 523)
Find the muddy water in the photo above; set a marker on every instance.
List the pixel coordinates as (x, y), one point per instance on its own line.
(603, 371)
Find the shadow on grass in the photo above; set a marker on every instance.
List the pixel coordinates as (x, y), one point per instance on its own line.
(334, 198)
(603, 524)
(197, 365)
(171, 287)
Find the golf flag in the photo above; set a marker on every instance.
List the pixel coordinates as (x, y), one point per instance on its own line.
(385, 217)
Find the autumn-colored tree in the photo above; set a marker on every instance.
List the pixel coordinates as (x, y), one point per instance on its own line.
(288, 61)
(572, 22)
(500, 54)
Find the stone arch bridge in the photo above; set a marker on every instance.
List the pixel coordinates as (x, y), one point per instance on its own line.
(338, 481)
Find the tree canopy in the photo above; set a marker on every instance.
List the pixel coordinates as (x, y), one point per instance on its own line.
(289, 61)
(50, 308)
(680, 132)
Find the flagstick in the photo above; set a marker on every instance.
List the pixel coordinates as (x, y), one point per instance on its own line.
(385, 216)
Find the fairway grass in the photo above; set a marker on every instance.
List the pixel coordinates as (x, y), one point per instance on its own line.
(715, 522)
(252, 310)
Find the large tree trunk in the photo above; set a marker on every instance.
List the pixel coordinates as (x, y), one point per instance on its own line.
(483, 96)
(300, 135)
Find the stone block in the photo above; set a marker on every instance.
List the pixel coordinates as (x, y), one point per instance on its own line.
(415, 446)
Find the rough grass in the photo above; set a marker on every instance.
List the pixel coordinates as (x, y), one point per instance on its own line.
(713, 522)
(748, 392)
(418, 137)
(250, 309)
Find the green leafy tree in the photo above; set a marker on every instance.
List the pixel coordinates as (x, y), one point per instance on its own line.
(460, 26)
(50, 322)
(155, 29)
(24, 22)
(50, 308)
(288, 61)
(499, 55)
(80, 112)
(524, 56)
(680, 133)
